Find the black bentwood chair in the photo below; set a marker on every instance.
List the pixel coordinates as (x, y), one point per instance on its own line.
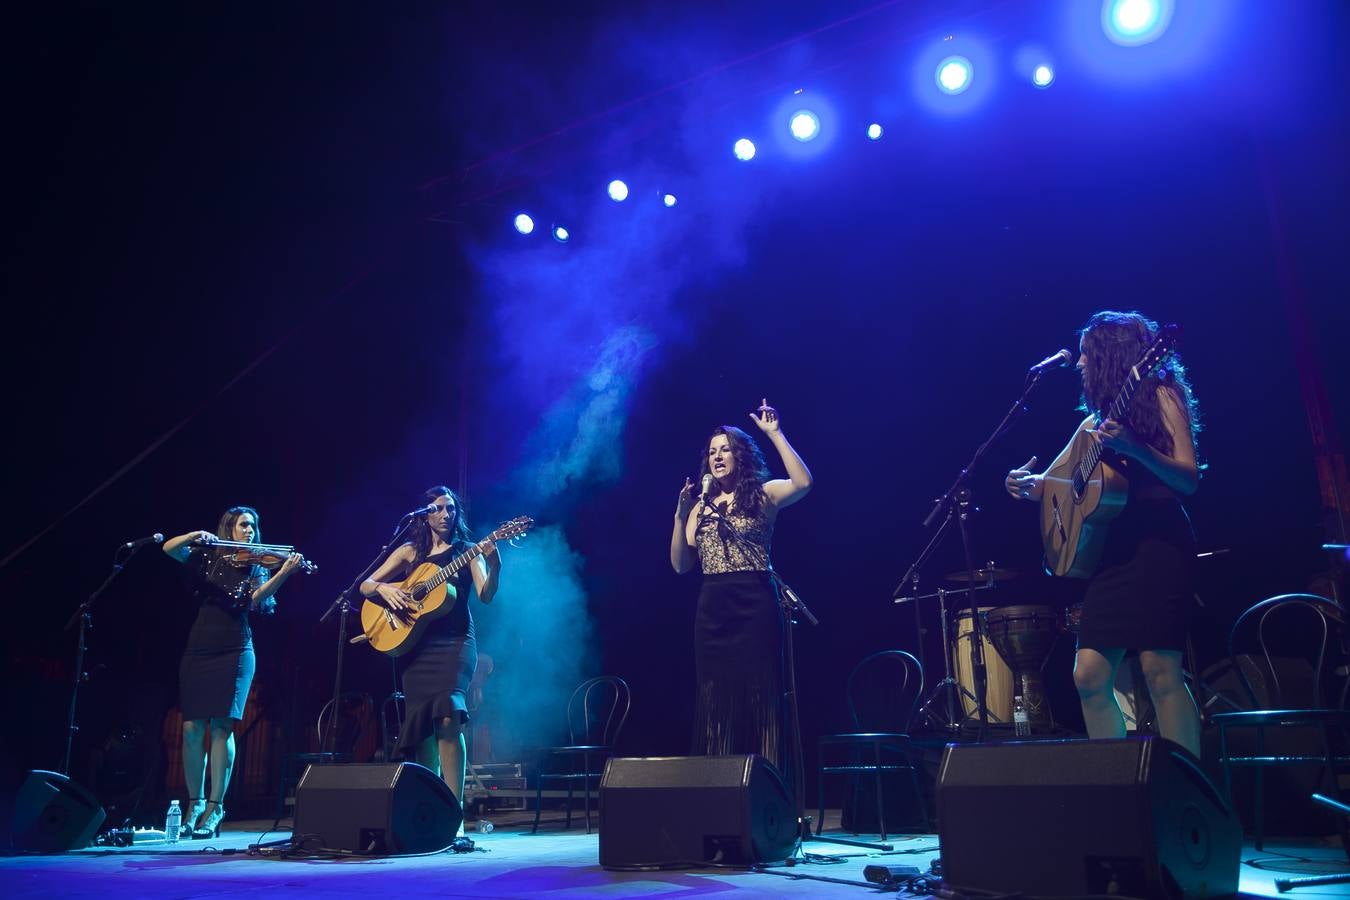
(596, 712)
(1284, 692)
(883, 692)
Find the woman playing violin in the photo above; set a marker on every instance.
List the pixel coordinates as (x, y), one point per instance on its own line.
(217, 666)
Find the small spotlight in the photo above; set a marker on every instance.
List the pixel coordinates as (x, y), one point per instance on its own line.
(561, 234)
(668, 199)
(744, 149)
(524, 224)
(1042, 75)
(1134, 22)
(874, 132)
(804, 125)
(954, 74)
(618, 191)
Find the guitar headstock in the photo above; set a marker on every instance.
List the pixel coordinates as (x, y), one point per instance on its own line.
(1157, 352)
(512, 529)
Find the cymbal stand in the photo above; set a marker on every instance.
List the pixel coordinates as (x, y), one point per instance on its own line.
(949, 689)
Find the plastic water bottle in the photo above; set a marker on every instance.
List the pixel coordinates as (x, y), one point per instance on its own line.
(1021, 719)
(484, 826)
(173, 822)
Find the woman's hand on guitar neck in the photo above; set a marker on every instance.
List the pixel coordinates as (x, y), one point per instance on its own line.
(1022, 484)
(1115, 436)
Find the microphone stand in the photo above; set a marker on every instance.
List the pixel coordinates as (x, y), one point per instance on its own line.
(344, 607)
(956, 503)
(84, 616)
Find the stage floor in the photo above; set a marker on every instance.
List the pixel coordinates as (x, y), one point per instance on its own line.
(511, 862)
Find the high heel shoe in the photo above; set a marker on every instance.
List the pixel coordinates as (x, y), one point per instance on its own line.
(208, 826)
(194, 812)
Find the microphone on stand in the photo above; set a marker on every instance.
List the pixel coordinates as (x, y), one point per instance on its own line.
(1062, 358)
(422, 511)
(706, 498)
(155, 538)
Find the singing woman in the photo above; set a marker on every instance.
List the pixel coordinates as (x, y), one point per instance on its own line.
(744, 696)
(218, 663)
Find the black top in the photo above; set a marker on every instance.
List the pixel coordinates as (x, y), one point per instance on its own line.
(226, 592)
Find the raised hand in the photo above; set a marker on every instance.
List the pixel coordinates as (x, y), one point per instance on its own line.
(767, 420)
(685, 503)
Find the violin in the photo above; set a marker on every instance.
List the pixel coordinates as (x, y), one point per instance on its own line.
(269, 556)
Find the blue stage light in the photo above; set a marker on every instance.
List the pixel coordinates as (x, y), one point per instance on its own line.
(744, 149)
(954, 74)
(1042, 76)
(668, 199)
(804, 125)
(618, 191)
(1134, 22)
(561, 234)
(874, 131)
(524, 224)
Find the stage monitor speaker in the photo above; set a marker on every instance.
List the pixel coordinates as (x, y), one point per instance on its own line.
(53, 813)
(1071, 818)
(374, 808)
(675, 811)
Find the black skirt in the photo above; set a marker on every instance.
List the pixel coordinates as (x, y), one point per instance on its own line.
(436, 676)
(1143, 593)
(743, 701)
(216, 671)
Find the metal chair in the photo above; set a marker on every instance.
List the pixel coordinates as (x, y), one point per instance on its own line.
(1275, 705)
(355, 709)
(596, 713)
(883, 693)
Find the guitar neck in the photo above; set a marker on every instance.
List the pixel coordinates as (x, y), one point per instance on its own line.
(448, 571)
(1116, 410)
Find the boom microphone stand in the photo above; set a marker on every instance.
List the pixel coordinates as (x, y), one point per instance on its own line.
(956, 504)
(84, 616)
(344, 607)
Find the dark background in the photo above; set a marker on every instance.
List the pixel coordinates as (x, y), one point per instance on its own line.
(263, 256)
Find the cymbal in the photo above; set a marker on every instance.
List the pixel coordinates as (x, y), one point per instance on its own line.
(994, 574)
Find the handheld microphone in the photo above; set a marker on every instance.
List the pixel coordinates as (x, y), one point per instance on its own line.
(156, 538)
(1062, 358)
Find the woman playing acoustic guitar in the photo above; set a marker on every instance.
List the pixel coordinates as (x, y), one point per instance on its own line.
(438, 669)
(1139, 595)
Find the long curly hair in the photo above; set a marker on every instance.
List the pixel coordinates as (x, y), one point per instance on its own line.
(751, 469)
(225, 527)
(421, 534)
(1113, 342)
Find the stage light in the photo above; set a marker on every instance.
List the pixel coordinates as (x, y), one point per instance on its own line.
(1134, 22)
(561, 234)
(804, 125)
(874, 132)
(744, 149)
(954, 74)
(1042, 76)
(668, 199)
(618, 191)
(524, 224)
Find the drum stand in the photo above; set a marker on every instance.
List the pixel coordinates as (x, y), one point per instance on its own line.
(948, 690)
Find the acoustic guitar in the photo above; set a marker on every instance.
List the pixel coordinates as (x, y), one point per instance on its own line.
(1081, 494)
(395, 632)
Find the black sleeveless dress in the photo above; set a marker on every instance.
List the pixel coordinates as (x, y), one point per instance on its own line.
(216, 671)
(743, 701)
(1142, 595)
(437, 671)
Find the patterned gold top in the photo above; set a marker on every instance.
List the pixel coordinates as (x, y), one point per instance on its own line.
(728, 542)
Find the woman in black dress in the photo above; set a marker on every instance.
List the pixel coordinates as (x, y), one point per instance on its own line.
(744, 700)
(437, 670)
(1140, 596)
(217, 667)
